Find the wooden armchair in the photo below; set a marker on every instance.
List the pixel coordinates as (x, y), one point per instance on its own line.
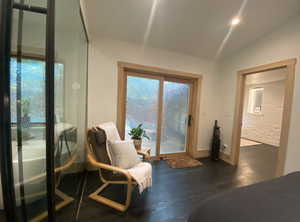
(98, 157)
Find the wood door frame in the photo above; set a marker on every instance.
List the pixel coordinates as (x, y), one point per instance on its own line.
(155, 72)
(290, 65)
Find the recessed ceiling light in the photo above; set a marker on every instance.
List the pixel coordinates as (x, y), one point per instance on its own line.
(235, 21)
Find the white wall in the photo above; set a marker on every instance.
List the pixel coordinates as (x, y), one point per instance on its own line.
(83, 10)
(266, 126)
(102, 82)
(284, 43)
(218, 94)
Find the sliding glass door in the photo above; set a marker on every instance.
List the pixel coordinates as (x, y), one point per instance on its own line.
(142, 105)
(162, 105)
(175, 117)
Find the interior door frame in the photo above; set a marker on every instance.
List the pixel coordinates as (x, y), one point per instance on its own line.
(159, 73)
(290, 65)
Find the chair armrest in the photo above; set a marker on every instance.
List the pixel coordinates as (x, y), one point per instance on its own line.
(109, 167)
(144, 153)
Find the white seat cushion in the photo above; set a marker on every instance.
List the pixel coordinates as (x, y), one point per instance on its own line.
(124, 154)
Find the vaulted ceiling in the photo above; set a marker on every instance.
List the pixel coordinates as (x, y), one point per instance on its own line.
(197, 27)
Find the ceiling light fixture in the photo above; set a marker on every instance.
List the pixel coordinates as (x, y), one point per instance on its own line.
(235, 21)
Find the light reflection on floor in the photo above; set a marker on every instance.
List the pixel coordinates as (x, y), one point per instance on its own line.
(257, 163)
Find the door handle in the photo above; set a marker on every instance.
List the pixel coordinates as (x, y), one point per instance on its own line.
(189, 120)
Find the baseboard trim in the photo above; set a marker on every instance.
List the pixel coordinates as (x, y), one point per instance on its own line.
(204, 153)
(225, 157)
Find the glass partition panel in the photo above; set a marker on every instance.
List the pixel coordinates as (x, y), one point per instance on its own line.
(28, 109)
(28, 113)
(70, 105)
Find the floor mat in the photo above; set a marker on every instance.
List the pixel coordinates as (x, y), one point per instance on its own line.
(182, 161)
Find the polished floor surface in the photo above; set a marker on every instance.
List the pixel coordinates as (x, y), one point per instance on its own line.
(258, 162)
(69, 185)
(2, 217)
(176, 192)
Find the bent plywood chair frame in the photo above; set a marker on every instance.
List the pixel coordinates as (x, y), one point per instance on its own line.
(66, 200)
(130, 182)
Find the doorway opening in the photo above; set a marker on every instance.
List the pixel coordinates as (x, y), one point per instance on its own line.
(262, 116)
(262, 119)
(166, 103)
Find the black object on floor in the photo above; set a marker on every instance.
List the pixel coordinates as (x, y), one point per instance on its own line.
(216, 143)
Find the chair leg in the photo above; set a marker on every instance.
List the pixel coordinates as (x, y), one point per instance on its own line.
(66, 201)
(129, 195)
(100, 199)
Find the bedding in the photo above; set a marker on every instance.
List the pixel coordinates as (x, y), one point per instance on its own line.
(277, 200)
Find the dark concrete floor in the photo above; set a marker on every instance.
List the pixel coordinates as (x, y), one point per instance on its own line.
(2, 217)
(176, 192)
(69, 185)
(258, 162)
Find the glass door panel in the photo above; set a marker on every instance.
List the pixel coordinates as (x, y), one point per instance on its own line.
(28, 120)
(70, 107)
(175, 117)
(142, 104)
